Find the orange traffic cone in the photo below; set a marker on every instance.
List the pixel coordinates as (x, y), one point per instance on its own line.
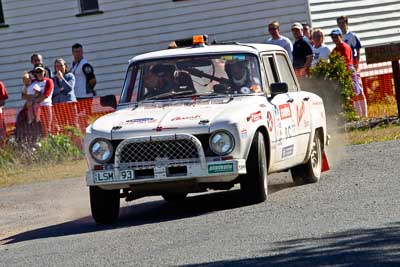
(325, 164)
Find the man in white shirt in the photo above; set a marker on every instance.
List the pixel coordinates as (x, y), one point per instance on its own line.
(85, 80)
(278, 39)
(350, 38)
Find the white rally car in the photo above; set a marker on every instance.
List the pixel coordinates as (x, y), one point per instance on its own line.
(203, 117)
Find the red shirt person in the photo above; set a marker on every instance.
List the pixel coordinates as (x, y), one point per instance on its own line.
(3, 95)
(341, 47)
(3, 98)
(359, 101)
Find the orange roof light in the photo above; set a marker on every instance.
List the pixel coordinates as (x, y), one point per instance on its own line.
(198, 39)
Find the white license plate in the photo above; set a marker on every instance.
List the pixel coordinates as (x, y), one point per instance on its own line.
(109, 176)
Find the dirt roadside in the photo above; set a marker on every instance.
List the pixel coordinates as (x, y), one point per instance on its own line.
(31, 206)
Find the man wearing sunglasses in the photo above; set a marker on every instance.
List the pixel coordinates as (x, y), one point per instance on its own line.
(278, 39)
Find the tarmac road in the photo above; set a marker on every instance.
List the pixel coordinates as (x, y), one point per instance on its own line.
(350, 218)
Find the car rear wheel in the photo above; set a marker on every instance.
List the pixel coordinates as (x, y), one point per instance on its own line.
(104, 204)
(174, 197)
(309, 172)
(254, 184)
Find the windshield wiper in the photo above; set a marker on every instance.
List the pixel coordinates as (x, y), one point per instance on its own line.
(170, 94)
(207, 94)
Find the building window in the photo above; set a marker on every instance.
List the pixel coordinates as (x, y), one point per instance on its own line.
(89, 7)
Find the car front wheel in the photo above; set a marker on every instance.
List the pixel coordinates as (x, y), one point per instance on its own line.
(309, 172)
(254, 184)
(104, 204)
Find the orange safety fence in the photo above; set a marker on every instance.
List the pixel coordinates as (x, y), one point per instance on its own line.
(378, 86)
(59, 118)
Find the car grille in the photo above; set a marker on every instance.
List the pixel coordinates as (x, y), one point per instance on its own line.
(144, 153)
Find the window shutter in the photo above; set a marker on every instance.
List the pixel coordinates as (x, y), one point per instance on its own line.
(1, 13)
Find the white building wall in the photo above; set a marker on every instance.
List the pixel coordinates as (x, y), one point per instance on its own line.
(125, 29)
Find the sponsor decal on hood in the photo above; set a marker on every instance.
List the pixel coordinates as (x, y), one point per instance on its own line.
(139, 121)
(181, 118)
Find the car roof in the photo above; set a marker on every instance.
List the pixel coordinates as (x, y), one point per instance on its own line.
(208, 49)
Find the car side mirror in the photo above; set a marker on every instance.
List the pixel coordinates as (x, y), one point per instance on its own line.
(279, 88)
(108, 101)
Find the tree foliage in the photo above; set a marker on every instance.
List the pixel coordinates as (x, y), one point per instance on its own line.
(335, 69)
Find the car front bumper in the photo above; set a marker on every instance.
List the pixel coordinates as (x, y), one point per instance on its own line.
(213, 171)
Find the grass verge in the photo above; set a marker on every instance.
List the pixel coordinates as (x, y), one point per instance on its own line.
(24, 174)
(377, 134)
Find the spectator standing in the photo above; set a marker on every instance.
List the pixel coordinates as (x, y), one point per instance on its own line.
(64, 83)
(63, 95)
(85, 80)
(302, 50)
(3, 98)
(320, 50)
(307, 33)
(44, 99)
(38, 59)
(351, 39)
(344, 49)
(278, 39)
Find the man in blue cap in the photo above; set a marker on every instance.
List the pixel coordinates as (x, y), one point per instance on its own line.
(359, 101)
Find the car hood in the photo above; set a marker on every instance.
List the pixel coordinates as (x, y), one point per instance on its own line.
(194, 117)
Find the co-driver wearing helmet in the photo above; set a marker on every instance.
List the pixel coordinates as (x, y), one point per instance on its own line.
(240, 78)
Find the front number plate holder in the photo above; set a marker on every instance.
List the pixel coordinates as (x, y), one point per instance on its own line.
(110, 176)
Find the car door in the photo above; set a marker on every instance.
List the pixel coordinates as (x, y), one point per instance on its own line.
(299, 105)
(284, 108)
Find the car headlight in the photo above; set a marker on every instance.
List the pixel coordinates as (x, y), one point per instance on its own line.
(101, 150)
(222, 143)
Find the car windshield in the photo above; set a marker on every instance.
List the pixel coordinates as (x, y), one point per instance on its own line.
(212, 75)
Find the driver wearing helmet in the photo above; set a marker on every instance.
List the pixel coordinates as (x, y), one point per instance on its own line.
(159, 80)
(240, 78)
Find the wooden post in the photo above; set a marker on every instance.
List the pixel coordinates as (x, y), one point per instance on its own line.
(396, 79)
